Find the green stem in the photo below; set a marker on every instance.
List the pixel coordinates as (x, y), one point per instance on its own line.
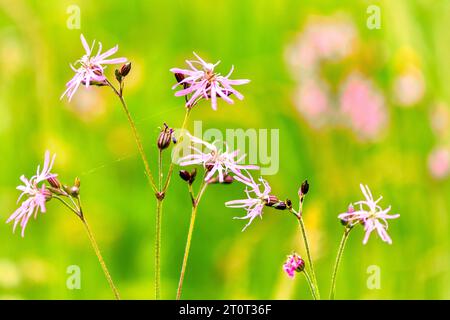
(136, 137)
(79, 212)
(159, 205)
(311, 284)
(308, 253)
(338, 260)
(100, 258)
(189, 238)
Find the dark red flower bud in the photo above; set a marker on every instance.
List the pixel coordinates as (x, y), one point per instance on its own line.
(125, 69)
(304, 188)
(165, 137)
(54, 182)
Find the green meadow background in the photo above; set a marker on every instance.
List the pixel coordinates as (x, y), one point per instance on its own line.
(92, 140)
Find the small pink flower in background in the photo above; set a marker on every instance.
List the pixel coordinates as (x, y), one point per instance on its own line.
(323, 39)
(440, 119)
(293, 264)
(90, 68)
(215, 160)
(204, 83)
(256, 199)
(313, 102)
(36, 195)
(363, 106)
(409, 87)
(370, 215)
(439, 162)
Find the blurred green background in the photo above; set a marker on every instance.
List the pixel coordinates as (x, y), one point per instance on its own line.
(92, 140)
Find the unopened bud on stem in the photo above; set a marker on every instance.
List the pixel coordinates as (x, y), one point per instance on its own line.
(165, 137)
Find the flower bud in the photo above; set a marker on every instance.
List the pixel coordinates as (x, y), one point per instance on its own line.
(77, 182)
(280, 205)
(165, 137)
(300, 264)
(125, 69)
(185, 175)
(54, 182)
(74, 191)
(304, 188)
(288, 203)
(271, 200)
(118, 75)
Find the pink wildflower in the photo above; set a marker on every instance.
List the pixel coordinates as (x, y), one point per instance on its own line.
(205, 83)
(256, 199)
(90, 69)
(215, 160)
(294, 263)
(370, 215)
(37, 196)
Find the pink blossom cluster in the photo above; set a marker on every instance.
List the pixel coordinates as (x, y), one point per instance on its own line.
(356, 103)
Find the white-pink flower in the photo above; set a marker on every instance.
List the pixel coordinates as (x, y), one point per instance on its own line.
(202, 82)
(90, 68)
(215, 160)
(256, 199)
(36, 195)
(370, 215)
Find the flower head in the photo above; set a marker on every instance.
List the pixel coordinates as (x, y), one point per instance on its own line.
(202, 82)
(90, 68)
(294, 263)
(215, 160)
(36, 195)
(256, 199)
(370, 215)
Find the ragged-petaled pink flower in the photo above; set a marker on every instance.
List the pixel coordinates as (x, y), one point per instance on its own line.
(439, 162)
(90, 68)
(370, 215)
(36, 195)
(202, 82)
(256, 199)
(293, 264)
(215, 160)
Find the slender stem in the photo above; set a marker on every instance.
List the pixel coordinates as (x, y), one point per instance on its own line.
(170, 172)
(158, 249)
(77, 209)
(338, 260)
(189, 238)
(311, 284)
(308, 253)
(100, 258)
(160, 198)
(136, 136)
(158, 231)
